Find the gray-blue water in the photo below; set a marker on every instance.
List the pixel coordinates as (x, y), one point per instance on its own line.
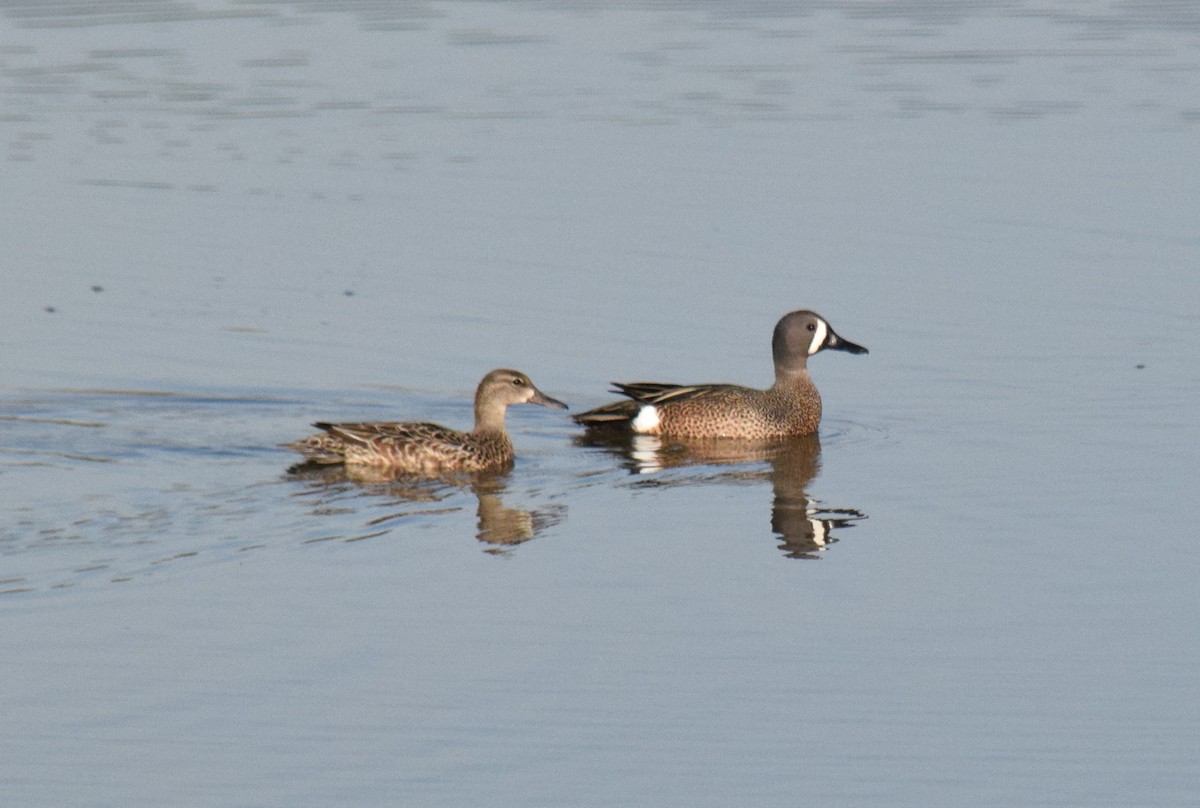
(225, 220)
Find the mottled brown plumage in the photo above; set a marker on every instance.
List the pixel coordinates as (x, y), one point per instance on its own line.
(791, 406)
(424, 448)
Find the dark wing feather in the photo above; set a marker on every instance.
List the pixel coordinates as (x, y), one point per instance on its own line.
(642, 393)
(616, 412)
(374, 434)
(659, 393)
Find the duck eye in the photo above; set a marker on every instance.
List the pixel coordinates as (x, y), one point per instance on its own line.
(811, 326)
(518, 381)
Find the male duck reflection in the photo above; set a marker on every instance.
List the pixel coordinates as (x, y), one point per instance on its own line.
(422, 448)
(791, 406)
(804, 526)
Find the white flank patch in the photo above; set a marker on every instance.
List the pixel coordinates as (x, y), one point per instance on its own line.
(818, 337)
(646, 420)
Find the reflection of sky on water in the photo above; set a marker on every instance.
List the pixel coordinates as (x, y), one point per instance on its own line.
(280, 212)
(296, 83)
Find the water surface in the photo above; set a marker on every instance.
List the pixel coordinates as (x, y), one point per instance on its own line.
(225, 221)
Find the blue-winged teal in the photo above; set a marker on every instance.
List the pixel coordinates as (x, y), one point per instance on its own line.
(791, 406)
(422, 448)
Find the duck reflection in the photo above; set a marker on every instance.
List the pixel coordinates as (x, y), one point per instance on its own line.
(803, 526)
(500, 527)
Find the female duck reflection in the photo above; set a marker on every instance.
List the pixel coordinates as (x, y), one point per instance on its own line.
(497, 525)
(806, 528)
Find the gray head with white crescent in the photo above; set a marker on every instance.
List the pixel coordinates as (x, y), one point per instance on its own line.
(799, 335)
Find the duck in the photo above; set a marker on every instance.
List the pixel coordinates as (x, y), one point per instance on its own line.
(426, 448)
(789, 407)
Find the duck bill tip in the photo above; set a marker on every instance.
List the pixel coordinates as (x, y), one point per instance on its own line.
(841, 344)
(547, 401)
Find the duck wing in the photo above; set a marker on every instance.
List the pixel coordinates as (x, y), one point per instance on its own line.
(657, 393)
(373, 435)
(640, 394)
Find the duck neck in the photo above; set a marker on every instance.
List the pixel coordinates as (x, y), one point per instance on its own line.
(489, 416)
(794, 376)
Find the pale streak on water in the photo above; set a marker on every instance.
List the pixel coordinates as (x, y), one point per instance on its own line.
(226, 220)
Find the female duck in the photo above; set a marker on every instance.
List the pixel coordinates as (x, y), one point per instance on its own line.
(423, 448)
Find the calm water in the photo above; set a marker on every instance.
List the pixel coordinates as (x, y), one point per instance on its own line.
(226, 220)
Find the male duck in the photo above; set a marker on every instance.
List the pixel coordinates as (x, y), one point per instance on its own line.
(423, 448)
(791, 406)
